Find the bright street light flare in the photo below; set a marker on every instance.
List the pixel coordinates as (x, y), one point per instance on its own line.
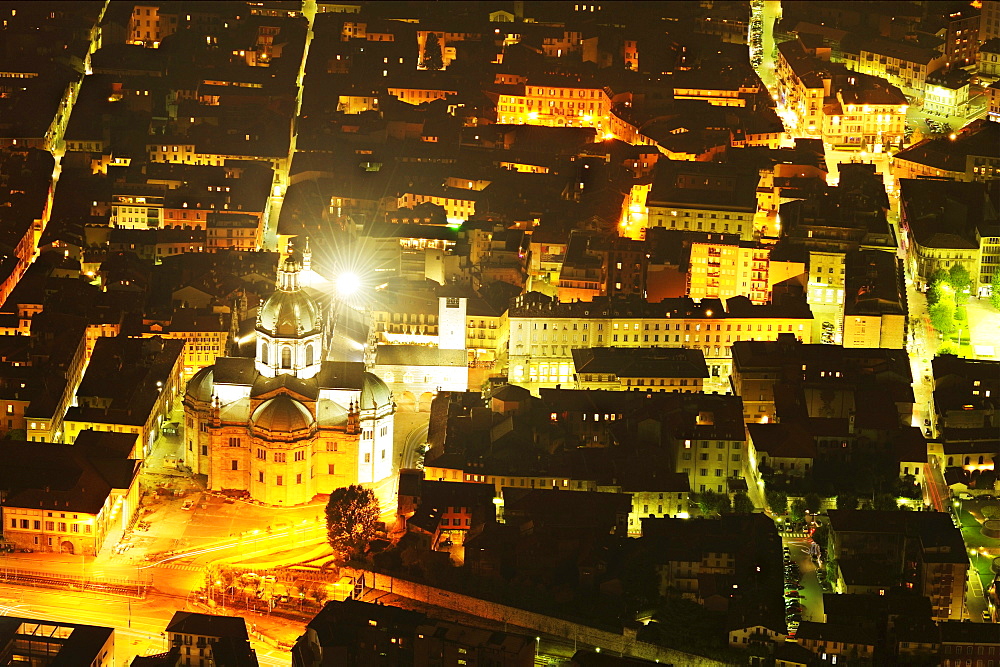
(348, 284)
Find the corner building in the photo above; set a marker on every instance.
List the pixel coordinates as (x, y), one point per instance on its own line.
(289, 423)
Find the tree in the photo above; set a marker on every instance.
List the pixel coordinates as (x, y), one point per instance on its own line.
(724, 505)
(991, 512)
(813, 503)
(847, 501)
(884, 502)
(798, 509)
(777, 501)
(960, 281)
(946, 348)
(742, 503)
(351, 516)
(943, 317)
(995, 290)
(907, 487)
(710, 502)
(937, 282)
(432, 52)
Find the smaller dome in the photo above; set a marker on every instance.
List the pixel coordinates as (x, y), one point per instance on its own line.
(282, 414)
(201, 385)
(374, 393)
(288, 314)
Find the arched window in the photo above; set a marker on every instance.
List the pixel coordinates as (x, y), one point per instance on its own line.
(263, 352)
(951, 460)
(967, 460)
(286, 357)
(309, 355)
(980, 460)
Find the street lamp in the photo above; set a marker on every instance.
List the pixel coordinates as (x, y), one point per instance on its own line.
(348, 284)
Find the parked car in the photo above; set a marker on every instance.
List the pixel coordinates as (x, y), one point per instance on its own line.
(187, 505)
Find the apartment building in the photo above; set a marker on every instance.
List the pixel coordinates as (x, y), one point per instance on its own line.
(923, 550)
(541, 333)
(948, 223)
(640, 369)
(205, 640)
(129, 387)
(703, 197)
(722, 266)
(70, 498)
(206, 336)
(904, 65)
(23, 640)
(875, 311)
(555, 103)
(849, 110)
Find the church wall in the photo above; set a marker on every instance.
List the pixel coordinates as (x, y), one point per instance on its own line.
(260, 463)
(420, 379)
(299, 355)
(230, 458)
(197, 440)
(375, 448)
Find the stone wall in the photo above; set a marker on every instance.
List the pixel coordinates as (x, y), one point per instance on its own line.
(624, 644)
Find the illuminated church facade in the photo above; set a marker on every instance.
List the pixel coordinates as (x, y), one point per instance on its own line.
(289, 423)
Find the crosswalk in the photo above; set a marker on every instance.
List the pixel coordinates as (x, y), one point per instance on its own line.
(786, 533)
(181, 566)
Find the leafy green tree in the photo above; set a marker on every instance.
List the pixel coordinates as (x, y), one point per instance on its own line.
(432, 52)
(937, 282)
(991, 512)
(885, 502)
(742, 503)
(798, 509)
(725, 504)
(847, 501)
(995, 290)
(813, 503)
(710, 502)
(943, 317)
(960, 281)
(219, 576)
(946, 348)
(908, 487)
(17, 434)
(351, 517)
(777, 501)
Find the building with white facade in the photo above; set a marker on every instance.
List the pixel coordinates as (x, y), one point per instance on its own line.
(291, 422)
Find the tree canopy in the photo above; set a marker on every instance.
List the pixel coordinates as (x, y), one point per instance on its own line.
(432, 52)
(351, 517)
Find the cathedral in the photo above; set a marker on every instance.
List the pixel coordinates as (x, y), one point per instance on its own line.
(291, 422)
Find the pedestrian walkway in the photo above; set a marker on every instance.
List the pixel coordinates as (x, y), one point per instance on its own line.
(793, 533)
(182, 566)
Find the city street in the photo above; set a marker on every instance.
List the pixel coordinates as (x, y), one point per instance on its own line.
(812, 593)
(139, 625)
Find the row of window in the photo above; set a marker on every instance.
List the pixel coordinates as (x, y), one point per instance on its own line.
(51, 526)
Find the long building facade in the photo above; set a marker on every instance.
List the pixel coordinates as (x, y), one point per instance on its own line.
(541, 333)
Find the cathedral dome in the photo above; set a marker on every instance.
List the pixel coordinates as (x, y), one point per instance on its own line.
(289, 311)
(200, 386)
(281, 414)
(374, 393)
